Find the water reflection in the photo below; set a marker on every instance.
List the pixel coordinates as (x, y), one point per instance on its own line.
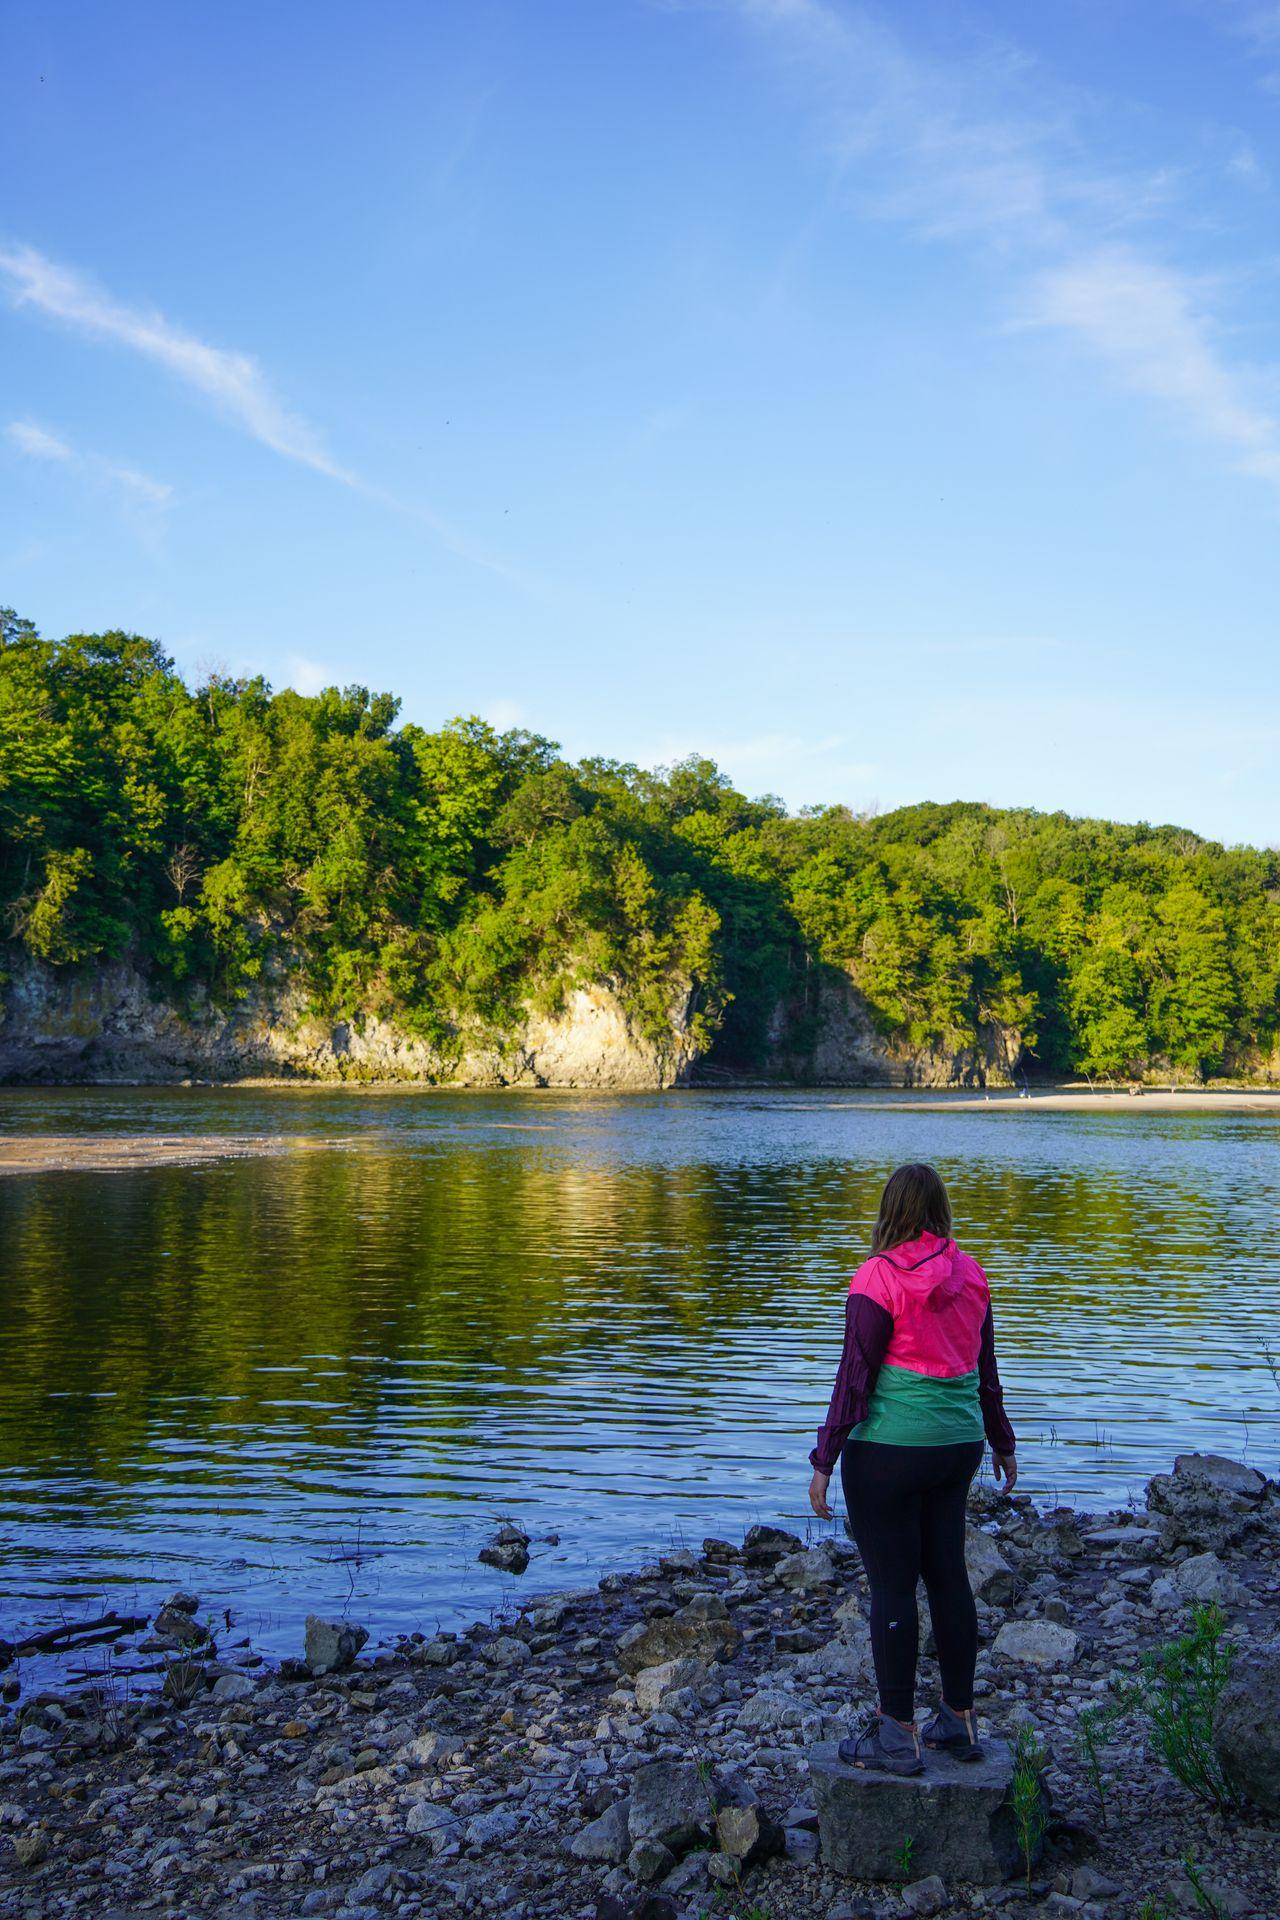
(280, 1379)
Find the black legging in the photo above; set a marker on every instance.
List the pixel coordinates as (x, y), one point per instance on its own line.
(906, 1511)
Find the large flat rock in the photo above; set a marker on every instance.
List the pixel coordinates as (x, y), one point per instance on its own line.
(958, 1816)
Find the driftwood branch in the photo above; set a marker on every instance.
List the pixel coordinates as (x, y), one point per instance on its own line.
(73, 1634)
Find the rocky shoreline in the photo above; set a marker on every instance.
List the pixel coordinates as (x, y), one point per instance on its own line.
(640, 1750)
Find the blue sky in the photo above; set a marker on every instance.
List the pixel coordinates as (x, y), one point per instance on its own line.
(884, 401)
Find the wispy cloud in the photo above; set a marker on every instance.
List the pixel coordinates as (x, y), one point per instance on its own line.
(1143, 320)
(980, 155)
(138, 489)
(234, 382)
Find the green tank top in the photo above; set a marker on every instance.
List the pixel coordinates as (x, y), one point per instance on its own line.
(909, 1409)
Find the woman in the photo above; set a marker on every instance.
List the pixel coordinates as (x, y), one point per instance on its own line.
(916, 1391)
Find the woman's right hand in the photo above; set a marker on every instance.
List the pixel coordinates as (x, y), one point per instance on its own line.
(1006, 1464)
(818, 1495)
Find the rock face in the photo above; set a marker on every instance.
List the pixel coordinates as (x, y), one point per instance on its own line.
(958, 1818)
(109, 1023)
(105, 1024)
(1246, 1730)
(829, 1039)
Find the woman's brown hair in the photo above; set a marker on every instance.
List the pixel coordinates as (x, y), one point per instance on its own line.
(914, 1201)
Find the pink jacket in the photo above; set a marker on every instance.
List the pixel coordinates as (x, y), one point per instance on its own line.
(937, 1297)
(924, 1305)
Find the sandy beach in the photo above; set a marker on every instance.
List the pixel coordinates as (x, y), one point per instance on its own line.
(1151, 1100)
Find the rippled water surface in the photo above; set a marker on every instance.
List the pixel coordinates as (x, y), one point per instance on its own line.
(317, 1380)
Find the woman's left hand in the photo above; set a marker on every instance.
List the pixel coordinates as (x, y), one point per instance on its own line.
(818, 1495)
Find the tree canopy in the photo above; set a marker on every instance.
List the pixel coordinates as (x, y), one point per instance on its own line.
(211, 832)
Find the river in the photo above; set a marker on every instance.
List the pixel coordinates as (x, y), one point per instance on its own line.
(316, 1381)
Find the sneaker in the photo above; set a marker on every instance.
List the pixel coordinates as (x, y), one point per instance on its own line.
(884, 1745)
(953, 1733)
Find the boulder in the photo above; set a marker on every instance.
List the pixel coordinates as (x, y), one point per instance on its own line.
(607, 1838)
(926, 1896)
(428, 1821)
(1246, 1729)
(653, 1682)
(506, 1651)
(649, 1860)
(1204, 1577)
(807, 1572)
(959, 1819)
(233, 1686)
(508, 1550)
(990, 1575)
(1037, 1643)
(670, 1804)
(770, 1707)
(329, 1646)
(765, 1545)
(1207, 1502)
(429, 1749)
(701, 1629)
(31, 1848)
(175, 1624)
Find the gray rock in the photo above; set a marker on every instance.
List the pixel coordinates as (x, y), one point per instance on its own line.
(649, 1860)
(1226, 1900)
(1088, 1884)
(1037, 1643)
(960, 1819)
(607, 1838)
(990, 1575)
(372, 1884)
(669, 1804)
(807, 1572)
(765, 1545)
(233, 1686)
(801, 1847)
(330, 1646)
(688, 1876)
(429, 1749)
(492, 1828)
(1207, 1502)
(175, 1623)
(748, 1835)
(31, 1848)
(508, 1550)
(433, 1823)
(1246, 1729)
(768, 1708)
(925, 1896)
(702, 1629)
(652, 1683)
(508, 1650)
(1203, 1577)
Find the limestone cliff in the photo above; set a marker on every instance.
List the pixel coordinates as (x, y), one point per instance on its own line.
(829, 1039)
(106, 1024)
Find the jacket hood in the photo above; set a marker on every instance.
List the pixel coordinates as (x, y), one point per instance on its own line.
(928, 1266)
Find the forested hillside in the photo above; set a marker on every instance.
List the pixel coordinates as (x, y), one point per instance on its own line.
(212, 832)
